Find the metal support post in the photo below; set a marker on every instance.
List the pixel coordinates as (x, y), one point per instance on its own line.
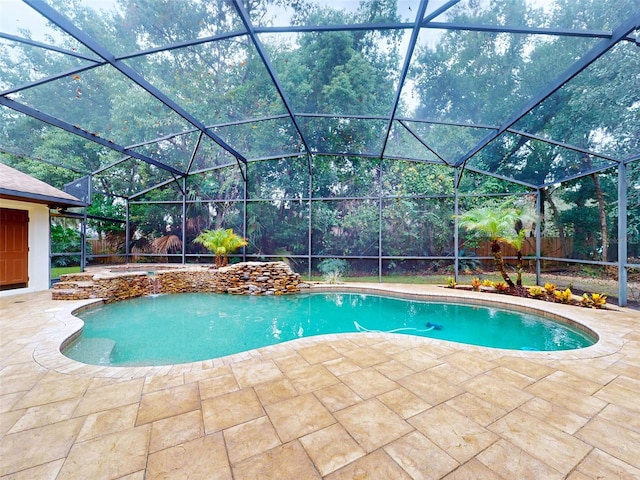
(456, 213)
(184, 220)
(622, 235)
(309, 233)
(83, 240)
(244, 214)
(380, 221)
(127, 233)
(538, 234)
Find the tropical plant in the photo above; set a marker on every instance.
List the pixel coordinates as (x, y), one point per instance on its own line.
(221, 242)
(451, 282)
(475, 284)
(333, 277)
(564, 296)
(166, 244)
(586, 300)
(595, 300)
(333, 265)
(550, 288)
(517, 241)
(536, 291)
(501, 287)
(599, 300)
(502, 224)
(466, 262)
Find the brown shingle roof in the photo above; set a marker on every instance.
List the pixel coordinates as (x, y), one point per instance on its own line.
(16, 185)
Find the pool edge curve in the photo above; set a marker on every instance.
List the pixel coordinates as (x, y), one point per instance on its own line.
(49, 353)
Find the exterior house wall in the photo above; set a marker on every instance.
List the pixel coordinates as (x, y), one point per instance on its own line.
(38, 246)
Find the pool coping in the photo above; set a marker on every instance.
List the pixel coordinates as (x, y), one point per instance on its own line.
(65, 325)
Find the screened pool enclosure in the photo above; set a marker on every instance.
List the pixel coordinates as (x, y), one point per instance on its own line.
(345, 131)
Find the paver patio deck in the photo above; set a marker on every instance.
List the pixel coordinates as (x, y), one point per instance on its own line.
(366, 405)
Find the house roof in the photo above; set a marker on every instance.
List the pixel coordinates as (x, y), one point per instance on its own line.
(15, 185)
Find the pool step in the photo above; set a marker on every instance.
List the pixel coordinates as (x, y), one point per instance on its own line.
(73, 290)
(76, 277)
(73, 284)
(96, 351)
(60, 294)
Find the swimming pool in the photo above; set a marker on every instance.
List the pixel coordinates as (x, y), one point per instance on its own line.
(171, 329)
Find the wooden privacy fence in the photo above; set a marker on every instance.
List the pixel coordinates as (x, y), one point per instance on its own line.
(100, 247)
(551, 247)
(104, 247)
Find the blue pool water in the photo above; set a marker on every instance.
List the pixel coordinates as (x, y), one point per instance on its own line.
(169, 329)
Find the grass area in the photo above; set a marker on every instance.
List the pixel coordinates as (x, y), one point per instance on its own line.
(57, 271)
(528, 279)
(576, 283)
(410, 279)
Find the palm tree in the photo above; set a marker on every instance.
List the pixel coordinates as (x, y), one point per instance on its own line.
(167, 244)
(517, 241)
(502, 224)
(221, 242)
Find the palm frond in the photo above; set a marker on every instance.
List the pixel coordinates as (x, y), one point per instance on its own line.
(166, 244)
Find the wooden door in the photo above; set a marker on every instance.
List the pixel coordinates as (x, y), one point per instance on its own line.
(14, 248)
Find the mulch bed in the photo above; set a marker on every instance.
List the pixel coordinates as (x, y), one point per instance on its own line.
(524, 293)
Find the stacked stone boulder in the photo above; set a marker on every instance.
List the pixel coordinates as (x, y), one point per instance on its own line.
(186, 281)
(258, 278)
(74, 286)
(249, 278)
(115, 288)
(112, 287)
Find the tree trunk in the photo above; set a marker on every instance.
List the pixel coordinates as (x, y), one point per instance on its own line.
(519, 269)
(558, 223)
(497, 256)
(603, 217)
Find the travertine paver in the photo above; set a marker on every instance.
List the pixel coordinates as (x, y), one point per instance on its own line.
(372, 424)
(204, 457)
(175, 430)
(509, 461)
(167, 403)
(231, 409)
(375, 465)
(541, 440)
(108, 456)
(420, 457)
(331, 448)
(286, 461)
(250, 438)
(456, 434)
(335, 407)
(617, 440)
(368, 383)
(252, 374)
(38, 445)
(298, 416)
(403, 402)
(336, 397)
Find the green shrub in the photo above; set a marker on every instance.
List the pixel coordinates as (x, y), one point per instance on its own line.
(330, 266)
(66, 240)
(332, 277)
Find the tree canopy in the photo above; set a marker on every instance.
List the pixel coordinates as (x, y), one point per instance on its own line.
(327, 128)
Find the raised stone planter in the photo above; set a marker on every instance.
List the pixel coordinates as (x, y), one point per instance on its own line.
(249, 278)
(258, 278)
